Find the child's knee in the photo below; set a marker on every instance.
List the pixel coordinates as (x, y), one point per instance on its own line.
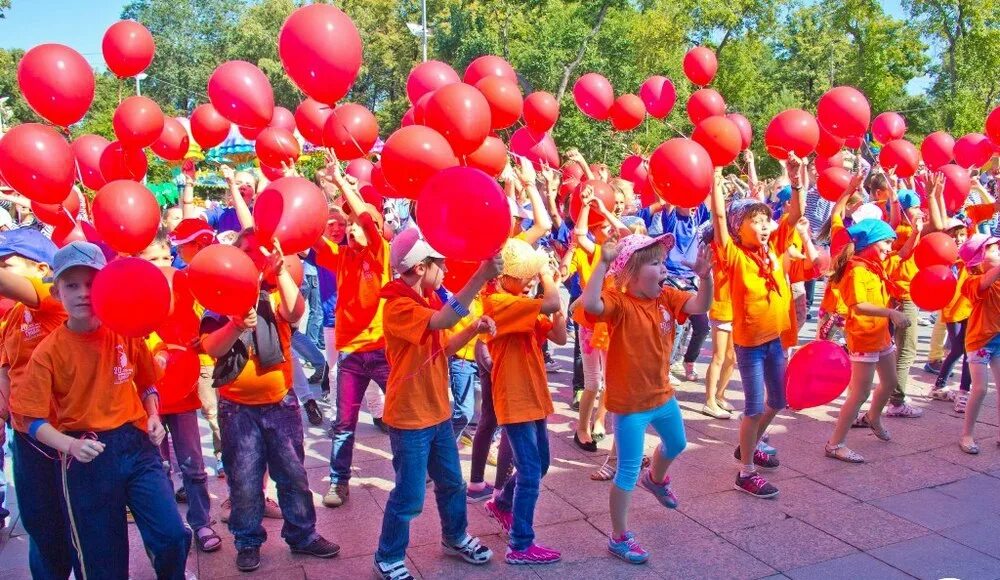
(673, 447)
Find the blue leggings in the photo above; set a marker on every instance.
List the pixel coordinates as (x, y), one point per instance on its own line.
(630, 433)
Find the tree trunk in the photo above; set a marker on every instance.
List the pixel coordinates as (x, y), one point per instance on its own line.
(568, 69)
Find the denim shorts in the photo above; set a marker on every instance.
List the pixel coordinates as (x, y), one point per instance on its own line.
(872, 357)
(762, 369)
(985, 355)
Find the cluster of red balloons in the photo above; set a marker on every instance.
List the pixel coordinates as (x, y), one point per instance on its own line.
(595, 97)
(934, 284)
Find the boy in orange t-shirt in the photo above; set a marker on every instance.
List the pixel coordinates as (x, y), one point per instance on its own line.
(417, 411)
(99, 386)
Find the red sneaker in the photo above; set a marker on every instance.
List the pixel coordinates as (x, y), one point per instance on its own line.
(533, 554)
(506, 519)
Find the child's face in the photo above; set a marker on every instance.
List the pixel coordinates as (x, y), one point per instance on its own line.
(619, 204)
(755, 230)
(157, 253)
(22, 267)
(432, 274)
(336, 226)
(72, 288)
(172, 218)
(960, 235)
(992, 256)
(649, 279)
(515, 286)
(879, 250)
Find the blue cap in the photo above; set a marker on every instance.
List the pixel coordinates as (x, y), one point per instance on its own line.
(908, 198)
(868, 231)
(76, 254)
(28, 243)
(785, 194)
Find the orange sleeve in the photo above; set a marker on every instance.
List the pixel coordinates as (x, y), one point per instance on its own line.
(376, 243)
(512, 314)
(34, 396)
(980, 212)
(852, 290)
(676, 299)
(405, 319)
(612, 307)
(970, 289)
(327, 254)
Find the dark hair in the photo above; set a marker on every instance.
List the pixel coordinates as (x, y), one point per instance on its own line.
(840, 264)
(877, 181)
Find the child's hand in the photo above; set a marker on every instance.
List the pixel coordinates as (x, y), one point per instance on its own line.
(525, 171)
(85, 450)
(898, 319)
(491, 268)
(486, 325)
(154, 426)
(609, 251)
(274, 260)
(288, 169)
(702, 266)
(802, 226)
(246, 322)
(227, 173)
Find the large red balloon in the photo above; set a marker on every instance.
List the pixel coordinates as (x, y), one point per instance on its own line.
(933, 287)
(118, 162)
(56, 214)
(900, 155)
(310, 118)
(458, 273)
(746, 130)
(538, 148)
(791, 131)
(224, 280)
(131, 297)
(721, 139)
(703, 104)
(681, 172)
(937, 149)
(888, 126)
(420, 109)
(632, 168)
(700, 65)
(360, 169)
(81, 231)
(461, 114)
(935, 249)
(320, 49)
(37, 162)
(292, 210)
(87, 150)
(504, 98)
(828, 144)
(824, 163)
(659, 96)
(541, 111)
(57, 82)
(126, 215)
(173, 143)
(128, 48)
(411, 156)
(817, 374)
(427, 77)
(240, 92)
(627, 113)
(957, 184)
(180, 375)
(833, 182)
(973, 150)
(594, 96)
(490, 158)
(282, 118)
(138, 121)
(381, 185)
(351, 130)
(992, 127)
(602, 191)
(208, 127)
(275, 146)
(488, 66)
(464, 215)
(844, 111)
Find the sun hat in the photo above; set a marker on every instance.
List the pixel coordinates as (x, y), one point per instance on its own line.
(522, 261)
(973, 251)
(869, 231)
(409, 248)
(867, 211)
(632, 243)
(189, 230)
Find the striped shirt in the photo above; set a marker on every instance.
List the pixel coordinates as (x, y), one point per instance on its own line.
(817, 210)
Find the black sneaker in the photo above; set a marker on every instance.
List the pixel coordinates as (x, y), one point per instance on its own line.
(760, 459)
(313, 413)
(320, 548)
(393, 571)
(380, 424)
(248, 559)
(317, 377)
(181, 495)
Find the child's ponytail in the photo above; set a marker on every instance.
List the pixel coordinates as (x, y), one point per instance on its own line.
(840, 264)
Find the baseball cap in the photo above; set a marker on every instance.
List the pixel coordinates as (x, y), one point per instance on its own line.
(631, 244)
(76, 254)
(28, 243)
(409, 248)
(954, 223)
(189, 230)
(866, 211)
(973, 251)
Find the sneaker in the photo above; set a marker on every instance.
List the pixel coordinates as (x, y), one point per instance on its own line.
(220, 469)
(181, 496)
(961, 400)
(313, 413)
(662, 491)
(764, 447)
(689, 374)
(248, 559)
(478, 495)
(932, 366)
(380, 424)
(533, 554)
(394, 571)
(337, 495)
(551, 363)
(464, 440)
(904, 411)
(756, 486)
(575, 405)
(677, 369)
(272, 509)
(760, 459)
(505, 519)
(225, 509)
(319, 548)
(946, 395)
(627, 548)
(470, 549)
(317, 377)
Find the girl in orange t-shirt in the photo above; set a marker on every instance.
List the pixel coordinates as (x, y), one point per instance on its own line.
(720, 319)
(981, 254)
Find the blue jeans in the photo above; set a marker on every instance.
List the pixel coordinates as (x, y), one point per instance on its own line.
(530, 443)
(630, 435)
(186, 437)
(259, 437)
(127, 473)
(306, 348)
(355, 371)
(417, 453)
(463, 378)
(762, 367)
(314, 324)
(38, 485)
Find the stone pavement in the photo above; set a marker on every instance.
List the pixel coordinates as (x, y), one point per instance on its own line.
(919, 508)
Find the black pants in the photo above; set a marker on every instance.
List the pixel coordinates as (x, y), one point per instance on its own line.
(956, 337)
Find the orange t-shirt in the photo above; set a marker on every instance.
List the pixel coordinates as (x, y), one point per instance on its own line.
(960, 306)
(722, 301)
(760, 314)
(865, 333)
(980, 212)
(520, 385)
(901, 272)
(642, 338)
(416, 395)
(984, 321)
(92, 380)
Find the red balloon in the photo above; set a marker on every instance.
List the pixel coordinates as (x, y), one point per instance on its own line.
(602, 191)
(933, 287)
(937, 149)
(250, 134)
(824, 163)
(56, 214)
(833, 182)
(627, 113)
(817, 374)
(504, 99)
(539, 148)
(992, 127)
(746, 130)
(272, 173)
(681, 172)
(87, 150)
(490, 158)
(369, 194)
(131, 297)
(320, 49)
(488, 66)
(900, 155)
(118, 162)
(703, 104)
(854, 142)
(828, 144)
(888, 126)
(408, 118)
(180, 376)
(224, 279)
(208, 127)
(292, 263)
(793, 130)
(464, 215)
(844, 111)
(360, 169)
(541, 111)
(973, 150)
(240, 92)
(659, 96)
(420, 109)
(594, 96)
(957, 184)
(57, 82)
(138, 121)
(458, 273)
(461, 114)
(128, 48)
(572, 175)
(721, 139)
(427, 77)
(310, 118)
(632, 169)
(275, 146)
(37, 162)
(700, 65)
(293, 211)
(411, 156)
(644, 189)
(380, 184)
(81, 231)
(282, 118)
(173, 143)
(935, 249)
(126, 215)
(351, 130)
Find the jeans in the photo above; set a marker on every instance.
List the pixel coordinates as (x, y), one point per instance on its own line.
(956, 336)
(417, 453)
(184, 433)
(300, 384)
(906, 343)
(127, 473)
(356, 370)
(486, 430)
(530, 443)
(266, 437)
(630, 436)
(314, 324)
(810, 292)
(463, 378)
(305, 348)
(38, 485)
(4, 512)
(762, 367)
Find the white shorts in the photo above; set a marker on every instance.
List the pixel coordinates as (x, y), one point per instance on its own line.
(871, 357)
(720, 325)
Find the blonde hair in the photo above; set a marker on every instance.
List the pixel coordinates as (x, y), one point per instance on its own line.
(636, 261)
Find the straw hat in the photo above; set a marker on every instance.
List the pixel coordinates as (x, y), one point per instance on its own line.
(522, 261)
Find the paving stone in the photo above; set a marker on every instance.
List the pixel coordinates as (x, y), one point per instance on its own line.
(982, 491)
(710, 557)
(931, 509)
(862, 525)
(891, 477)
(983, 535)
(851, 567)
(934, 557)
(732, 510)
(788, 544)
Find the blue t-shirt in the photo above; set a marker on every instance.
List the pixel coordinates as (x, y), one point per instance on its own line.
(223, 219)
(687, 234)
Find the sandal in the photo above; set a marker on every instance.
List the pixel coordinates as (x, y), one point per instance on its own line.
(881, 432)
(606, 472)
(843, 453)
(970, 448)
(598, 436)
(209, 542)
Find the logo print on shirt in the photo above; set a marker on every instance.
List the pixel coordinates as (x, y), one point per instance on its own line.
(123, 371)
(29, 328)
(668, 320)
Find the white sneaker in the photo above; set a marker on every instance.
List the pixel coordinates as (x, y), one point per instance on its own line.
(947, 395)
(961, 401)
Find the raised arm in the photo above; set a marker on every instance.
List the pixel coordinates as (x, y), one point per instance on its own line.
(592, 301)
(541, 222)
(243, 213)
(718, 207)
(448, 317)
(582, 226)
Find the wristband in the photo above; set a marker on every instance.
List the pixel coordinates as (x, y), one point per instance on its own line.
(457, 307)
(150, 391)
(35, 426)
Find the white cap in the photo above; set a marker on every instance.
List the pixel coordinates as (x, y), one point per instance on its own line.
(866, 211)
(954, 223)
(409, 248)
